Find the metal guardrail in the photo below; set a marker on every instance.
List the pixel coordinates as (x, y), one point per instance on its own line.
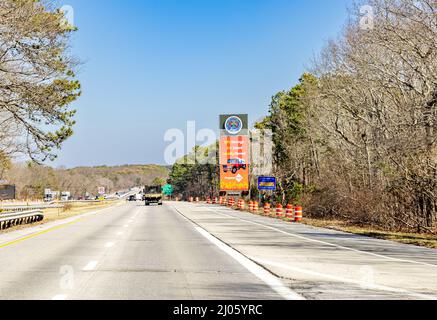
(29, 208)
(51, 205)
(14, 219)
(78, 201)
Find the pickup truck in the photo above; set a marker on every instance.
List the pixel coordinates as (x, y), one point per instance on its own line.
(234, 165)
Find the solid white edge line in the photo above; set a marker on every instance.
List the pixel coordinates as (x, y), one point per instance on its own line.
(59, 297)
(91, 266)
(344, 280)
(262, 274)
(375, 287)
(109, 245)
(324, 242)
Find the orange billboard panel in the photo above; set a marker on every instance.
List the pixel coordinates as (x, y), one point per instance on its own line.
(234, 177)
(234, 148)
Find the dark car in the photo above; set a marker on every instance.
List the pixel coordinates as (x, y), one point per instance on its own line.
(235, 165)
(132, 198)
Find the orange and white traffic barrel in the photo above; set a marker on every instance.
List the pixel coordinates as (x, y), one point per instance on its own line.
(298, 214)
(241, 204)
(279, 210)
(289, 211)
(251, 206)
(231, 202)
(256, 207)
(267, 209)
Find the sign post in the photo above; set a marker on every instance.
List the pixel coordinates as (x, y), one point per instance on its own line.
(266, 184)
(234, 153)
(101, 192)
(168, 190)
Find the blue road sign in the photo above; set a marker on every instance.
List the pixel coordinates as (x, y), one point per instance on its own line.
(267, 183)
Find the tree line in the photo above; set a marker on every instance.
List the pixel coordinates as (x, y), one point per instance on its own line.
(32, 179)
(355, 139)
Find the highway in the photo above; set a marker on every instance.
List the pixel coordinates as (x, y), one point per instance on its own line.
(183, 251)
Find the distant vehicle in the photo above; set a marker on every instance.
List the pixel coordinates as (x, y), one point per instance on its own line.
(132, 198)
(138, 197)
(65, 196)
(153, 194)
(234, 165)
(49, 198)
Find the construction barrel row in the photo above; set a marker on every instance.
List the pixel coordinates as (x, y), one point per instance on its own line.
(289, 212)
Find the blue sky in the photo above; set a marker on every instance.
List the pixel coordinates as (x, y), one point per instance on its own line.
(152, 65)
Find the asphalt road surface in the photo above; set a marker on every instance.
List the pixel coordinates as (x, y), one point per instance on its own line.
(188, 251)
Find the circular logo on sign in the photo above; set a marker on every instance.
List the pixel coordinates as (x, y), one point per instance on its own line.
(234, 125)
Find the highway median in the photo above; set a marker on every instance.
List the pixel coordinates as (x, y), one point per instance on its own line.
(59, 212)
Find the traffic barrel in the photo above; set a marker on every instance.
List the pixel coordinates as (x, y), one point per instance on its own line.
(267, 209)
(239, 204)
(298, 214)
(289, 211)
(279, 210)
(251, 206)
(208, 200)
(190, 199)
(256, 207)
(231, 202)
(221, 201)
(197, 199)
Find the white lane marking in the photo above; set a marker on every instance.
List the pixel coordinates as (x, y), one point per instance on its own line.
(59, 297)
(119, 233)
(109, 245)
(255, 269)
(91, 266)
(344, 280)
(324, 242)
